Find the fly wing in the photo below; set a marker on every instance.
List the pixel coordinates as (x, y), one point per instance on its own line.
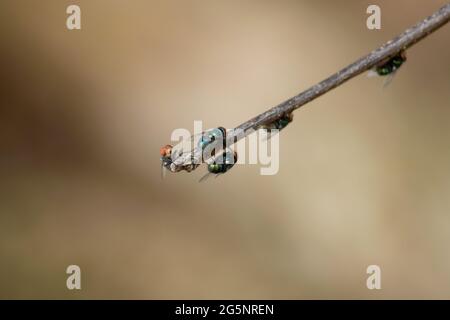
(209, 174)
(205, 176)
(389, 79)
(372, 73)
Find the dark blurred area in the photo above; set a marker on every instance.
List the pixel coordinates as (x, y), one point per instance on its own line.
(364, 170)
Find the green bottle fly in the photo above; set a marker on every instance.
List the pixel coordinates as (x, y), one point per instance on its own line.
(391, 65)
(224, 163)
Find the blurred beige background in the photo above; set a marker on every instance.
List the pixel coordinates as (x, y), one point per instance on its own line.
(364, 175)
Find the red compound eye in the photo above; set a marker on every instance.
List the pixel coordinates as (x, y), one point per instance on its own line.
(165, 151)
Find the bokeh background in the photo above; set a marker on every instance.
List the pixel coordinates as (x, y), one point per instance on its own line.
(364, 175)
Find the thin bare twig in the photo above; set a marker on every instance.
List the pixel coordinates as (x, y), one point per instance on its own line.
(386, 51)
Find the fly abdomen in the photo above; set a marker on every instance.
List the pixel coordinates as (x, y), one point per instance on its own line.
(387, 67)
(223, 163)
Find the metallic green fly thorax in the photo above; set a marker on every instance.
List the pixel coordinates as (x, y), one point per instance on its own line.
(211, 136)
(387, 67)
